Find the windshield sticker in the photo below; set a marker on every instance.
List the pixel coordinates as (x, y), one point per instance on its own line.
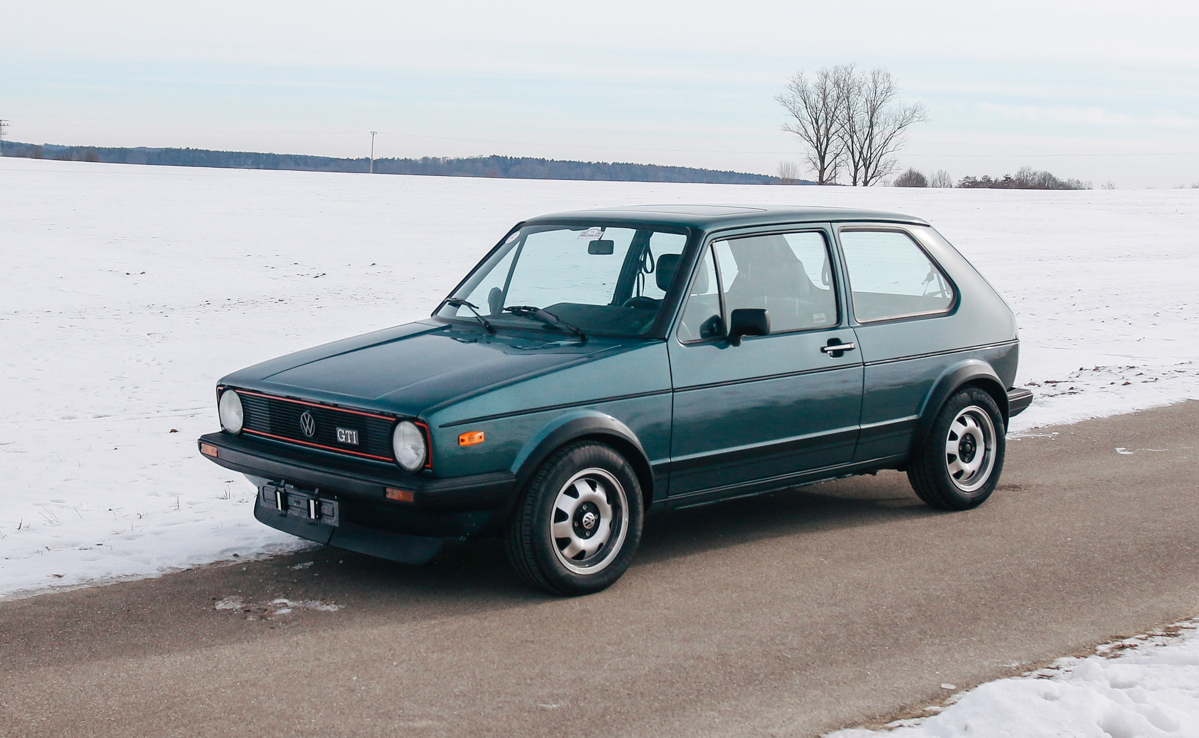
(593, 233)
(819, 318)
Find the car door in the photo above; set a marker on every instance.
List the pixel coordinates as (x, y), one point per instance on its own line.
(903, 306)
(777, 405)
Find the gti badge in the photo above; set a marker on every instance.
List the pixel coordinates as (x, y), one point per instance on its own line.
(346, 435)
(308, 424)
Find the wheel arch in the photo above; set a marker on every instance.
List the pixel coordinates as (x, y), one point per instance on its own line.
(971, 372)
(585, 425)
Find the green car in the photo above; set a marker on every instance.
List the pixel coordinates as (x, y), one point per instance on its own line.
(600, 364)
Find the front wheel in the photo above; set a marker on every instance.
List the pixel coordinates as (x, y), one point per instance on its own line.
(579, 523)
(959, 463)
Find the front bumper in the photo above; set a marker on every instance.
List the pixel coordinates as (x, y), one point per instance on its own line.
(456, 508)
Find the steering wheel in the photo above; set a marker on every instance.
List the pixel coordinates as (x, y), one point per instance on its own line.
(642, 302)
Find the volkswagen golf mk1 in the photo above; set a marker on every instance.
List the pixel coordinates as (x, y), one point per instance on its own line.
(600, 364)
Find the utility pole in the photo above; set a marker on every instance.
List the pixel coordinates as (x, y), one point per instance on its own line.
(373, 151)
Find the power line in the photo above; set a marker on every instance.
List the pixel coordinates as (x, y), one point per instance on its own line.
(1105, 153)
(790, 152)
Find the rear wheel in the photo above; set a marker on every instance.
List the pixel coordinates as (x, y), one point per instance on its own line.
(959, 463)
(579, 523)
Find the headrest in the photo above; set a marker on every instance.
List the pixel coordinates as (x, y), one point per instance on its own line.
(667, 265)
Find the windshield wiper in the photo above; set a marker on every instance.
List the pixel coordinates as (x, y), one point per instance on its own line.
(458, 302)
(546, 317)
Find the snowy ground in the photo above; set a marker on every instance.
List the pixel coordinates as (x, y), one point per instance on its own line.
(128, 291)
(1141, 687)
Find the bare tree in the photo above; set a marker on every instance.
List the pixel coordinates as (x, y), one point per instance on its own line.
(850, 121)
(849, 118)
(873, 124)
(940, 178)
(788, 172)
(813, 108)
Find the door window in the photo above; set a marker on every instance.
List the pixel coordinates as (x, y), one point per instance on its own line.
(788, 274)
(890, 277)
(701, 318)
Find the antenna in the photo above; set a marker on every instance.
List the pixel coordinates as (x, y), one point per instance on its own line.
(373, 151)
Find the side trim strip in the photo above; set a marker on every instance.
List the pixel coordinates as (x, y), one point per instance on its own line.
(766, 448)
(931, 354)
(768, 377)
(884, 423)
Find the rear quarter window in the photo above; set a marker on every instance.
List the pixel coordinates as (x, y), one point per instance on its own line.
(891, 277)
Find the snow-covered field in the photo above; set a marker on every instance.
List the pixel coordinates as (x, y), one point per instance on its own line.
(1141, 687)
(128, 291)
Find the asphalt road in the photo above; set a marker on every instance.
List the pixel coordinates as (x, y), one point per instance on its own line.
(790, 614)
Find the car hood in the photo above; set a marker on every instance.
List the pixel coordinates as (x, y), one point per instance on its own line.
(413, 368)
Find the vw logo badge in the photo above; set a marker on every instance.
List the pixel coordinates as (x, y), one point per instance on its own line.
(308, 424)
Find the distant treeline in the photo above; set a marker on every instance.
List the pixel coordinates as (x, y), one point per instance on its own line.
(1026, 179)
(480, 166)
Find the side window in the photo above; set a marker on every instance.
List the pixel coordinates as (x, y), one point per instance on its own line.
(788, 274)
(701, 316)
(891, 277)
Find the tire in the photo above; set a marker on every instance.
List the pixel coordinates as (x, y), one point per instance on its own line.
(578, 524)
(960, 461)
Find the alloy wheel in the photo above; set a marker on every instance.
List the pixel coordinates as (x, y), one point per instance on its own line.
(589, 521)
(970, 448)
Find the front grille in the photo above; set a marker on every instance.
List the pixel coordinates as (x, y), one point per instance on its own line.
(280, 419)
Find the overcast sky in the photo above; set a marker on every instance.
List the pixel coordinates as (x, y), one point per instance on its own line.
(1101, 91)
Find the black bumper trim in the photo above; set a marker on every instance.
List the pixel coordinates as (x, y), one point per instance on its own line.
(1018, 399)
(260, 458)
(402, 547)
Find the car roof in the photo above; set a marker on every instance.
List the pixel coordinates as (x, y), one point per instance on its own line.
(708, 217)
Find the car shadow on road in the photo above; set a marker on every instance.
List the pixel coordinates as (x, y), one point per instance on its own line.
(843, 503)
(684, 532)
(477, 573)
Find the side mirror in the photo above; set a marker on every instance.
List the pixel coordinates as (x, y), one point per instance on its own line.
(748, 322)
(604, 248)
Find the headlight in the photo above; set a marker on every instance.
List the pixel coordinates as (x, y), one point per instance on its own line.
(408, 442)
(229, 408)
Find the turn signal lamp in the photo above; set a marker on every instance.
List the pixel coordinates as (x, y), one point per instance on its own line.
(208, 450)
(400, 495)
(472, 438)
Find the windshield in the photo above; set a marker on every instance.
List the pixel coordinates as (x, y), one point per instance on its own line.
(600, 280)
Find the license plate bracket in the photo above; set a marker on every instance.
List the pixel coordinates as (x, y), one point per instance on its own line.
(304, 504)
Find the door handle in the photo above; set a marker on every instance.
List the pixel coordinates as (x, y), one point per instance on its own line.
(837, 348)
